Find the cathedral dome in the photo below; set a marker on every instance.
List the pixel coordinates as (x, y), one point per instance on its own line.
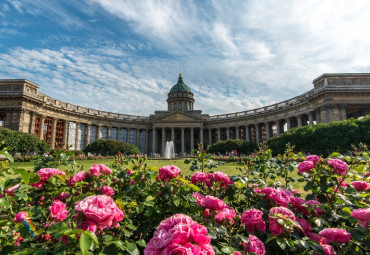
(180, 87)
(180, 97)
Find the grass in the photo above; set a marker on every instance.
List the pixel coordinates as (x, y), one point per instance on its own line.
(230, 168)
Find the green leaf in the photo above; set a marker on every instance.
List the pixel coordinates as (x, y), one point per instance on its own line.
(8, 156)
(281, 242)
(25, 175)
(228, 250)
(85, 243)
(92, 236)
(141, 242)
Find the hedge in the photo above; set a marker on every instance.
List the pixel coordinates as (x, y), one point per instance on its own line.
(111, 147)
(19, 142)
(324, 138)
(241, 146)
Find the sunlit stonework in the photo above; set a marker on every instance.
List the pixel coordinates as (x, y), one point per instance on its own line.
(333, 97)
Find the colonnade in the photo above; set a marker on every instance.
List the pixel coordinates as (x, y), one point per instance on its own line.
(152, 137)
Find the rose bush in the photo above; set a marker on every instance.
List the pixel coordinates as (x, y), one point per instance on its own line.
(128, 208)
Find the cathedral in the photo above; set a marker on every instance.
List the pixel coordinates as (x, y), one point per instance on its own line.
(333, 97)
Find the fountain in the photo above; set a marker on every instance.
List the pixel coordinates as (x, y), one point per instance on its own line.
(169, 153)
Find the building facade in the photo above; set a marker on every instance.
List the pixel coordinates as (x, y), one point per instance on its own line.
(333, 97)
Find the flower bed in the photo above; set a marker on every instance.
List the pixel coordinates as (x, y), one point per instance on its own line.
(127, 208)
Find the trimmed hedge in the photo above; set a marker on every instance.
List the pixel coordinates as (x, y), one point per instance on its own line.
(324, 138)
(241, 146)
(19, 142)
(111, 148)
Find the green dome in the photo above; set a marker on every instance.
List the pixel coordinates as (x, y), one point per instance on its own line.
(180, 86)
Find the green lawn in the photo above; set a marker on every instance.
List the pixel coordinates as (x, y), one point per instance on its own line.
(230, 168)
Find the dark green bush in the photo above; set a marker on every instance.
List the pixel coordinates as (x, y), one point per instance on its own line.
(111, 147)
(241, 146)
(18, 142)
(324, 138)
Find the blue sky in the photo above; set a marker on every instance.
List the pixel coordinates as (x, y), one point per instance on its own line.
(124, 56)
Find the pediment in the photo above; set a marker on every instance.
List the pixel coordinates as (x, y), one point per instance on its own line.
(178, 116)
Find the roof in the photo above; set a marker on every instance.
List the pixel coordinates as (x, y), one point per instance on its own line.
(180, 86)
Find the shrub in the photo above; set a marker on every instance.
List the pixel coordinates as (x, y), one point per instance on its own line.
(111, 147)
(324, 138)
(241, 146)
(18, 142)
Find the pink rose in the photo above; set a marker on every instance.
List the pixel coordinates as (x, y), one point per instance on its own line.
(88, 225)
(11, 191)
(198, 177)
(360, 185)
(313, 158)
(280, 197)
(58, 211)
(107, 191)
(318, 238)
(336, 234)
(213, 203)
(95, 170)
(19, 217)
(167, 173)
(328, 250)
(305, 225)
(253, 219)
(363, 215)
(226, 214)
(275, 227)
(199, 198)
(338, 166)
(78, 177)
(237, 253)
(105, 170)
(129, 171)
(45, 174)
(179, 234)
(255, 245)
(100, 210)
(222, 178)
(305, 166)
(62, 196)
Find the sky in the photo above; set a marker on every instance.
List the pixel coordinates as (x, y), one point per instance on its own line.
(124, 56)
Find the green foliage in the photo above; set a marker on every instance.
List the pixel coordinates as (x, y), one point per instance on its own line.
(241, 146)
(111, 147)
(18, 142)
(322, 139)
(202, 160)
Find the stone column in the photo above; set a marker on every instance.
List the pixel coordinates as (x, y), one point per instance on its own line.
(182, 140)
(278, 130)
(108, 131)
(41, 135)
(163, 139)
(146, 141)
(257, 133)
(191, 138)
(87, 141)
(53, 131)
(228, 133)
(98, 129)
(173, 134)
(118, 133)
(65, 133)
(32, 122)
(77, 143)
(137, 131)
(154, 144)
(247, 136)
(299, 120)
(342, 111)
(267, 128)
(237, 132)
(219, 134)
(127, 135)
(310, 118)
(210, 136)
(201, 136)
(288, 124)
(318, 115)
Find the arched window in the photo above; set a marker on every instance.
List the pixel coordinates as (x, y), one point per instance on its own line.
(175, 107)
(180, 106)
